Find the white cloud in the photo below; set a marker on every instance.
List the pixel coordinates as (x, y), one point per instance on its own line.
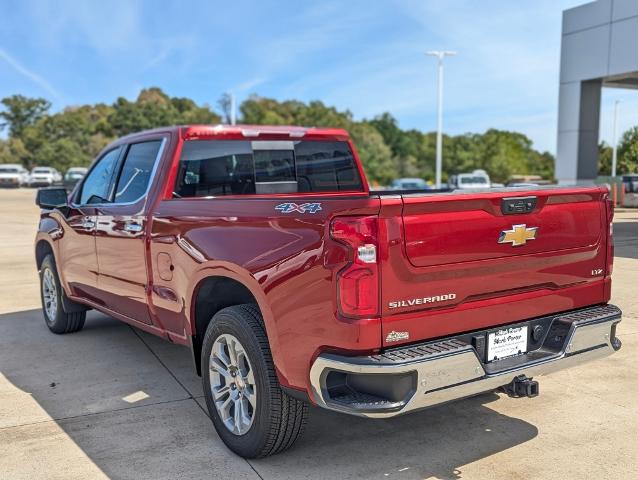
(248, 84)
(25, 72)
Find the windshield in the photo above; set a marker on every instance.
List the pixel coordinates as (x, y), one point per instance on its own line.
(9, 170)
(41, 170)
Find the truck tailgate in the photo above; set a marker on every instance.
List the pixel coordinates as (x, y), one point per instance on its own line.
(466, 261)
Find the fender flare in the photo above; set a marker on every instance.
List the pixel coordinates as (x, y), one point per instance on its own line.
(46, 235)
(244, 277)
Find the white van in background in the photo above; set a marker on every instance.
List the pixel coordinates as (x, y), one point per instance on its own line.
(467, 181)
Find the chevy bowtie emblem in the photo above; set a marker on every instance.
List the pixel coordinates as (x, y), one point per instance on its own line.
(518, 235)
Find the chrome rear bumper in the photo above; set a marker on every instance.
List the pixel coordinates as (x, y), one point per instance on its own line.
(438, 372)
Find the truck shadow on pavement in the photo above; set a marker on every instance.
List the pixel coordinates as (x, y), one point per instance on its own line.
(432, 443)
(112, 400)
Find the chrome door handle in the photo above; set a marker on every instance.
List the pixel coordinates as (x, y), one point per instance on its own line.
(88, 224)
(132, 227)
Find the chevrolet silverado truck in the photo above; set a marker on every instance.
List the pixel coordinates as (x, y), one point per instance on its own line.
(264, 251)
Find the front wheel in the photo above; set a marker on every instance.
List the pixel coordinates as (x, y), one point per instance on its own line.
(51, 294)
(249, 410)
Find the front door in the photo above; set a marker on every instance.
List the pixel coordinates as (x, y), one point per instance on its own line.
(76, 251)
(76, 247)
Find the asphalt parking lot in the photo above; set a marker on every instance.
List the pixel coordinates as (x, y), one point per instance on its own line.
(111, 401)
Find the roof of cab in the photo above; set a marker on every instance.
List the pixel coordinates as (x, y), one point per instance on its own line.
(256, 131)
(248, 132)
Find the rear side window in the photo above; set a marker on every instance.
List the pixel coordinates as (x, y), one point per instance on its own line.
(213, 168)
(221, 167)
(97, 185)
(136, 171)
(326, 167)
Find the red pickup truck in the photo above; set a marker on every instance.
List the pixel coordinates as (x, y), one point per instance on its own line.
(264, 250)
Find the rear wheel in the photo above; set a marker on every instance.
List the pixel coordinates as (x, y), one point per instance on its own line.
(51, 294)
(251, 413)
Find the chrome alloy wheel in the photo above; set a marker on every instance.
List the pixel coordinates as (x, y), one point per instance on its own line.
(49, 294)
(232, 383)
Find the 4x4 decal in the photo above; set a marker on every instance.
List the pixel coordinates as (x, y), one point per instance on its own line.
(290, 207)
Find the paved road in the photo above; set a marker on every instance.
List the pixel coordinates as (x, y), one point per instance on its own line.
(111, 401)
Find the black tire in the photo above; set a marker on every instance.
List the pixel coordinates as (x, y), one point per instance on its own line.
(59, 322)
(278, 419)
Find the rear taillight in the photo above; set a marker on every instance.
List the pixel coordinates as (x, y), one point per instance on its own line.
(358, 281)
(610, 237)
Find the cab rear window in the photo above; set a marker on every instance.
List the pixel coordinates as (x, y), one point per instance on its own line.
(235, 167)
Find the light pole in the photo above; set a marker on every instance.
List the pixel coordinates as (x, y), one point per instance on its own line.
(440, 55)
(614, 155)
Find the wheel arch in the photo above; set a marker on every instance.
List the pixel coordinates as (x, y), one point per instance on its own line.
(214, 290)
(42, 248)
(49, 231)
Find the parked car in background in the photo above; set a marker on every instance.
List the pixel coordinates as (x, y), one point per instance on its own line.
(468, 181)
(13, 175)
(74, 174)
(44, 177)
(409, 184)
(630, 186)
(630, 183)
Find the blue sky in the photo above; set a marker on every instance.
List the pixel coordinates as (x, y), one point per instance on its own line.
(364, 56)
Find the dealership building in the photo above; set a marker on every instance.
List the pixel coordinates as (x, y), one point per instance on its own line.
(598, 49)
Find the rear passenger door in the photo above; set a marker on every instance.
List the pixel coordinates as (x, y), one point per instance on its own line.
(120, 232)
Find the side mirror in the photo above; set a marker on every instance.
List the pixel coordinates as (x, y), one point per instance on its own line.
(50, 198)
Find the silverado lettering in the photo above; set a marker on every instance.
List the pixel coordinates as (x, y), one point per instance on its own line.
(422, 301)
(264, 251)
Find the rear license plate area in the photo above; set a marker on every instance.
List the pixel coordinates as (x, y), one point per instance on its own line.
(506, 342)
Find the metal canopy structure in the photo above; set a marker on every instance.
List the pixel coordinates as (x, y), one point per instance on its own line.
(598, 49)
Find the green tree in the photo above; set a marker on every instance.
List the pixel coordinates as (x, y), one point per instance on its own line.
(409, 156)
(266, 111)
(6, 155)
(78, 133)
(62, 154)
(628, 152)
(605, 153)
(21, 112)
(153, 109)
(14, 151)
(376, 156)
(543, 165)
